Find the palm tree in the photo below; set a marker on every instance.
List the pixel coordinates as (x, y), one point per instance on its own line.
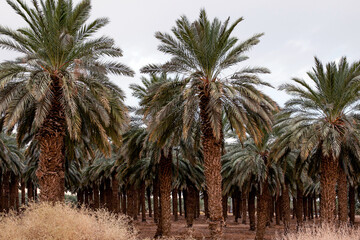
(321, 115)
(60, 81)
(201, 51)
(11, 168)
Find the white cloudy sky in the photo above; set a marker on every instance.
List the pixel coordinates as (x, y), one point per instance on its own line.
(295, 31)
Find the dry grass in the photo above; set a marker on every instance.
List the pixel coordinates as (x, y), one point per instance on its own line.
(44, 221)
(324, 233)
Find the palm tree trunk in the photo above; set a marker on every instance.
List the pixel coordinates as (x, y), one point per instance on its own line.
(310, 205)
(190, 204)
(13, 191)
(30, 192)
(277, 210)
(86, 197)
(175, 203)
(148, 194)
(212, 168)
(305, 208)
(294, 208)
(244, 197)
(315, 206)
(251, 208)
(328, 177)
(123, 202)
(180, 203)
(206, 204)
(185, 206)
(263, 211)
(131, 205)
(142, 201)
(6, 191)
(96, 196)
(156, 199)
(342, 196)
(51, 170)
(108, 194)
(115, 204)
(225, 206)
(102, 195)
(23, 197)
(352, 201)
(299, 206)
(1, 194)
(285, 205)
(165, 175)
(80, 197)
(197, 215)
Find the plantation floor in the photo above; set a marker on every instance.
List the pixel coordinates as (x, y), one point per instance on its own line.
(200, 230)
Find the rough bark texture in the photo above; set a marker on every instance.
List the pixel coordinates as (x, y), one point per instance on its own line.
(96, 196)
(115, 206)
(190, 204)
(305, 208)
(102, 195)
(142, 202)
(148, 194)
(180, 203)
(108, 195)
(285, 205)
(225, 206)
(6, 191)
(212, 168)
(328, 177)
(206, 204)
(123, 201)
(197, 215)
(244, 197)
(310, 207)
(251, 208)
(51, 171)
(1, 194)
(342, 196)
(14, 192)
(131, 211)
(315, 206)
(262, 211)
(165, 175)
(156, 199)
(175, 203)
(30, 191)
(23, 197)
(299, 205)
(277, 210)
(352, 201)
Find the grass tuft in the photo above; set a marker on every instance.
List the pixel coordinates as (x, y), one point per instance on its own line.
(60, 221)
(324, 233)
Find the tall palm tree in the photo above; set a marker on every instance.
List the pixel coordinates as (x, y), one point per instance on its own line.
(321, 115)
(201, 51)
(60, 81)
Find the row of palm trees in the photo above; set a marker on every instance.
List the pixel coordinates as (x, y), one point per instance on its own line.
(72, 119)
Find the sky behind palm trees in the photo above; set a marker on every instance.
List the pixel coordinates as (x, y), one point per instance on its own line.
(295, 31)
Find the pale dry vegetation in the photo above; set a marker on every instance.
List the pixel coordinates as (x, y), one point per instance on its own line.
(44, 221)
(324, 233)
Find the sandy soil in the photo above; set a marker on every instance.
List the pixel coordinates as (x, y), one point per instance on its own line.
(200, 230)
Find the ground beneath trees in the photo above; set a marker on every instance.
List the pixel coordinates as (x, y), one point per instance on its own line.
(200, 230)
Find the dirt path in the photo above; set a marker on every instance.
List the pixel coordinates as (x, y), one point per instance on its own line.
(200, 230)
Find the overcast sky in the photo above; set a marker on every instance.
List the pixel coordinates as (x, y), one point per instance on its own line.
(295, 31)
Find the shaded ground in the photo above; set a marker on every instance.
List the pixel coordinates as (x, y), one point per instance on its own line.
(200, 230)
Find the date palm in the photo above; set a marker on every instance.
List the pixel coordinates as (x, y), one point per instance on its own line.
(201, 52)
(58, 87)
(322, 114)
